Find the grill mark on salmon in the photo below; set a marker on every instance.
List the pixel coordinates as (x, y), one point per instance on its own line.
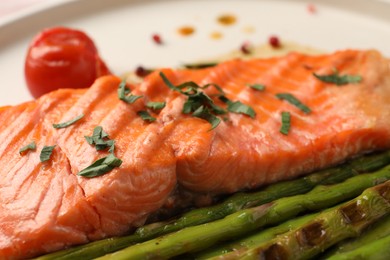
(47, 206)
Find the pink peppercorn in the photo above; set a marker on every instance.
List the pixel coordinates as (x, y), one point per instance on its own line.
(274, 42)
(157, 38)
(246, 48)
(141, 71)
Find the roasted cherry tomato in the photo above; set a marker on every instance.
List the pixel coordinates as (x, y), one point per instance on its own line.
(62, 58)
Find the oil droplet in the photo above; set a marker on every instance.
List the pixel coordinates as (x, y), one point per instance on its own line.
(216, 35)
(227, 19)
(186, 30)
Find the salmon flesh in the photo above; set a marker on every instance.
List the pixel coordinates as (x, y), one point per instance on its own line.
(47, 206)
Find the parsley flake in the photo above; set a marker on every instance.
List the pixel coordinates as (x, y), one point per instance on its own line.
(199, 99)
(31, 146)
(101, 166)
(146, 116)
(198, 103)
(124, 93)
(238, 107)
(189, 87)
(100, 140)
(202, 106)
(46, 153)
(338, 79)
(204, 113)
(286, 123)
(168, 83)
(68, 123)
(294, 101)
(155, 105)
(259, 87)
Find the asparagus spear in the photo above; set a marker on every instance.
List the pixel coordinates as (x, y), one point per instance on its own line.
(236, 202)
(378, 250)
(234, 249)
(203, 236)
(377, 231)
(247, 242)
(344, 221)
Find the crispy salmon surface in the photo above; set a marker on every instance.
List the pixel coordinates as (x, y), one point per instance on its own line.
(46, 206)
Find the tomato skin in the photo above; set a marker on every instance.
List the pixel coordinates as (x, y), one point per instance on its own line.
(62, 57)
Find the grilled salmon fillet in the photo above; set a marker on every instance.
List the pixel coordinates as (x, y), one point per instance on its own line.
(46, 206)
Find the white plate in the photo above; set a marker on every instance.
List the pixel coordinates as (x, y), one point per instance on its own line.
(122, 30)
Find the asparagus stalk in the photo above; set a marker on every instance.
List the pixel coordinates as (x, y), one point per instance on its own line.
(377, 231)
(234, 203)
(234, 249)
(203, 236)
(378, 250)
(243, 244)
(344, 221)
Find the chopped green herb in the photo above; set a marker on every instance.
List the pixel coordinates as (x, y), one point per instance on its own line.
(286, 123)
(200, 65)
(146, 116)
(337, 79)
(238, 107)
(192, 87)
(124, 93)
(111, 144)
(100, 139)
(168, 83)
(199, 99)
(101, 166)
(31, 146)
(89, 140)
(123, 90)
(189, 87)
(155, 105)
(204, 113)
(68, 123)
(97, 135)
(259, 87)
(131, 98)
(202, 106)
(294, 101)
(198, 103)
(46, 153)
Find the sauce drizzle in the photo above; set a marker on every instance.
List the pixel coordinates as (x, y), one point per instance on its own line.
(186, 30)
(227, 19)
